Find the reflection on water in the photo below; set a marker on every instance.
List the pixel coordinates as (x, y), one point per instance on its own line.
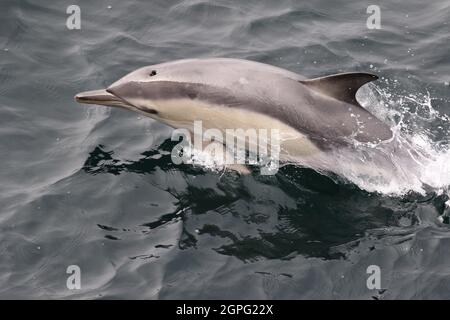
(314, 216)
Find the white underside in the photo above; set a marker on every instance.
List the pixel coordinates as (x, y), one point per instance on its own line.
(182, 113)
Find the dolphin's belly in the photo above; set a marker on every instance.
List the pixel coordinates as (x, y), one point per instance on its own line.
(182, 113)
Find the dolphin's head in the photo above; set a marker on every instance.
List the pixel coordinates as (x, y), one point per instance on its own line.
(148, 90)
(127, 92)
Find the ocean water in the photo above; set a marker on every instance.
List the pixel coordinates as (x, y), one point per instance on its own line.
(96, 188)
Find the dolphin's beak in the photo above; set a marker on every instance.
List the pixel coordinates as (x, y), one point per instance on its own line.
(101, 97)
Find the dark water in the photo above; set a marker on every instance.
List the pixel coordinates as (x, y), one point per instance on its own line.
(95, 187)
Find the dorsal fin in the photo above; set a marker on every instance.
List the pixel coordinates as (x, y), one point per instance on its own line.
(342, 86)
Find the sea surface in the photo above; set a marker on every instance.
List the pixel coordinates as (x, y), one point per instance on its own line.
(95, 187)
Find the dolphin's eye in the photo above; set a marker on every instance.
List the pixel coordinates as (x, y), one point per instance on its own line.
(153, 73)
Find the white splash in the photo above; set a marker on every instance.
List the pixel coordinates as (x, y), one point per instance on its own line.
(416, 159)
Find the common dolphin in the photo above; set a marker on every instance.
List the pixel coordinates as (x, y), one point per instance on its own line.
(316, 114)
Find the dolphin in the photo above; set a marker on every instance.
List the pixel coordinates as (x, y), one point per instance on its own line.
(313, 115)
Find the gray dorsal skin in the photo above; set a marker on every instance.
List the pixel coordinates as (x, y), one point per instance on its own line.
(324, 109)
